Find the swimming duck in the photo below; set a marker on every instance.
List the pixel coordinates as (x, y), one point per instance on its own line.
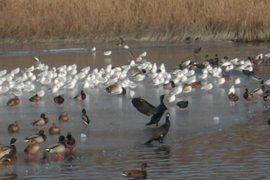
(58, 147)
(182, 104)
(247, 96)
(70, 142)
(54, 129)
(115, 89)
(80, 97)
(136, 173)
(8, 160)
(41, 121)
(85, 118)
(159, 112)
(143, 106)
(13, 128)
(63, 117)
(32, 149)
(161, 131)
(59, 99)
(39, 137)
(14, 101)
(35, 98)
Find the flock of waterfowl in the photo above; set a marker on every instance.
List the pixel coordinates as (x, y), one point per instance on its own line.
(186, 77)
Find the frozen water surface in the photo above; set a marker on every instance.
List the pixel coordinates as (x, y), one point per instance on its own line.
(210, 139)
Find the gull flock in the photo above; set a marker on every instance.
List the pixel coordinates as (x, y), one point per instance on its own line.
(186, 77)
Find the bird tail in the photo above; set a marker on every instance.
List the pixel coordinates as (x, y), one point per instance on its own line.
(148, 142)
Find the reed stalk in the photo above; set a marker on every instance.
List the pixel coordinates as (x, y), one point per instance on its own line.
(142, 20)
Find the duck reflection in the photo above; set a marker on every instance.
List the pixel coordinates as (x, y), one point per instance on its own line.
(10, 176)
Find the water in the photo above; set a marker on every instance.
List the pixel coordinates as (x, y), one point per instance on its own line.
(198, 145)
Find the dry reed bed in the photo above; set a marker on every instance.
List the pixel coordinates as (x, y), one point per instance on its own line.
(156, 20)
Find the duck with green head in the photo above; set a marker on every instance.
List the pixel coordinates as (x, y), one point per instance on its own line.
(39, 137)
(11, 149)
(41, 121)
(58, 148)
(85, 118)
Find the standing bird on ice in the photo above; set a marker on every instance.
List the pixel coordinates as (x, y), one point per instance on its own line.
(161, 131)
(85, 118)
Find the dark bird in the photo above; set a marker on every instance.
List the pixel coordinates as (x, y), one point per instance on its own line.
(85, 118)
(247, 72)
(196, 51)
(14, 101)
(136, 173)
(161, 131)
(143, 106)
(182, 104)
(159, 112)
(70, 142)
(59, 99)
(247, 96)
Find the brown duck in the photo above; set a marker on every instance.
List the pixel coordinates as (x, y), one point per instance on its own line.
(136, 173)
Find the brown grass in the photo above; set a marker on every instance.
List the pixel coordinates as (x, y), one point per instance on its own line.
(149, 20)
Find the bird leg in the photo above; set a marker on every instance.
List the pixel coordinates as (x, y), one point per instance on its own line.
(58, 156)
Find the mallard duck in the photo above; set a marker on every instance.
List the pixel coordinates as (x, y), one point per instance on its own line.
(41, 121)
(159, 112)
(35, 98)
(32, 149)
(115, 89)
(54, 129)
(70, 142)
(143, 106)
(13, 128)
(8, 160)
(136, 173)
(59, 99)
(85, 119)
(247, 96)
(58, 147)
(161, 131)
(14, 101)
(233, 97)
(259, 90)
(39, 137)
(182, 104)
(63, 117)
(80, 97)
(11, 149)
